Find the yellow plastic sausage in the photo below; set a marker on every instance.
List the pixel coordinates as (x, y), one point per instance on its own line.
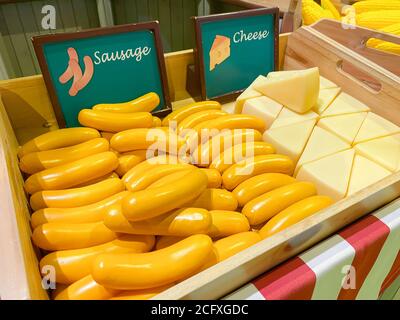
(169, 179)
(158, 172)
(58, 139)
(86, 289)
(184, 112)
(150, 203)
(152, 269)
(111, 175)
(156, 122)
(181, 222)
(203, 154)
(231, 122)
(139, 153)
(226, 223)
(251, 167)
(260, 184)
(94, 212)
(66, 236)
(144, 294)
(76, 197)
(198, 117)
(166, 241)
(127, 162)
(214, 178)
(229, 246)
(271, 203)
(161, 139)
(145, 103)
(37, 161)
(240, 152)
(114, 122)
(215, 199)
(73, 173)
(295, 213)
(72, 265)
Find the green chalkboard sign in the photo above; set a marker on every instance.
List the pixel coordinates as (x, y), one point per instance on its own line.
(107, 65)
(232, 49)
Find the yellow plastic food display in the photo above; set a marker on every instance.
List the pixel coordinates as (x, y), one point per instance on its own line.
(226, 223)
(145, 103)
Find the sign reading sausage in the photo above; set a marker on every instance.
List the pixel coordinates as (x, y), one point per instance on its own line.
(107, 65)
(234, 48)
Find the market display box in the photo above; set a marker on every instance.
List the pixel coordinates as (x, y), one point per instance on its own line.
(26, 111)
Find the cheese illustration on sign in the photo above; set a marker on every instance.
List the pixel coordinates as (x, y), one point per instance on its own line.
(220, 51)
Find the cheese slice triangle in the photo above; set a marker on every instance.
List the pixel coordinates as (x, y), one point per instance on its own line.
(290, 140)
(344, 104)
(263, 108)
(288, 117)
(374, 127)
(325, 98)
(249, 93)
(324, 83)
(322, 143)
(384, 151)
(331, 174)
(299, 91)
(365, 172)
(345, 126)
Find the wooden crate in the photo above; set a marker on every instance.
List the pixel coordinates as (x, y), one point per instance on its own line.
(25, 102)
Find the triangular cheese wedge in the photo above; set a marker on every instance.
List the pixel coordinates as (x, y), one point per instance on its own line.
(374, 127)
(263, 108)
(324, 83)
(365, 172)
(290, 140)
(345, 126)
(325, 98)
(344, 104)
(322, 143)
(281, 74)
(288, 117)
(248, 94)
(299, 91)
(331, 175)
(384, 151)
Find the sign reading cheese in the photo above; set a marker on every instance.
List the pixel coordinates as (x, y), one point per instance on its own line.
(234, 48)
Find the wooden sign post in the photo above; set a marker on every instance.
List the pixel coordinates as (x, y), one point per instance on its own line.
(107, 65)
(232, 49)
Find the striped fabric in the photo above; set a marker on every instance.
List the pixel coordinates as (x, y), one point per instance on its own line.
(359, 262)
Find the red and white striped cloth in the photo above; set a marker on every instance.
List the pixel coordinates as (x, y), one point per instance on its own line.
(359, 262)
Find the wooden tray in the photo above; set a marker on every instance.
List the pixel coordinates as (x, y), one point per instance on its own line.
(20, 277)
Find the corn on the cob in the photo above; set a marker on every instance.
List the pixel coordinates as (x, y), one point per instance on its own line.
(376, 5)
(328, 5)
(392, 29)
(378, 19)
(312, 12)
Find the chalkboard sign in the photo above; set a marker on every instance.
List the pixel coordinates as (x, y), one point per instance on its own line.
(232, 49)
(107, 65)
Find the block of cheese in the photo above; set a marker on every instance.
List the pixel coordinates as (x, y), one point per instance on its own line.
(324, 83)
(287, 117)
(331, 174)
(299, 91)
(375, 126)
(290, 140)
(325, 98)
(281, 74)
(384, 151)
(263, 108)
(249, 93)
(220, 51)
(365, 172)
(344, 104)
(322, 143)
(345, 126)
